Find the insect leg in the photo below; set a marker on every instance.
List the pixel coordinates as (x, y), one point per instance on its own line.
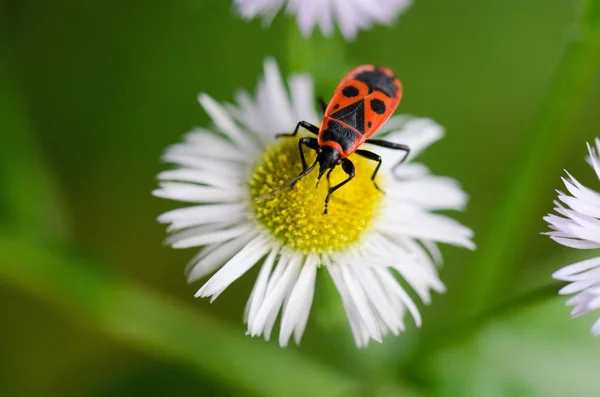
(391, 145)
(328, 180)
(291, 182)
(311, 143)
(322, 104)
(375, 157)
(308, 126)
(348, 168)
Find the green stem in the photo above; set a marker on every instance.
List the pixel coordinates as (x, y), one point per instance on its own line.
(460, 332)
(497, 259)
(532, 289)
(528, 299)
(155, 323)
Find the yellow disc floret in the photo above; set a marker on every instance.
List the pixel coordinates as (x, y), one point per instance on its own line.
(295, 214)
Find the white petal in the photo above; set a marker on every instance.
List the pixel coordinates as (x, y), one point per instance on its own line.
(183, 157)
(567, 272)
(204, 211)
(360, 315)
(198, 176)
(395, 289)
(251, 8)
(226, 124)
(417, 133)
(203, 214)
(350, 15)
(305, 311)
(434, 251)
(235, 267)
(207, 143)
(588, 199)
(596, 326)
(247, 113)
(209, 260)
(347, 19)
(296, 312)
(196, 193)
(357, 326)
(575, 287)
(307, 14)
(377, 297)
(255, 328)
(303, 98)
(207, 234)
(594, 303)
(593, 159)
(258, 291)
(422, 272)
(408, 171)
(274, 102)
(431, 193)
(274, 298)
(404, 221)
(361, 303)
(575, 243)
(326, 22)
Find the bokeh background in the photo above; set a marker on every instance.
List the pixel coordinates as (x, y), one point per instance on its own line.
(92, 302)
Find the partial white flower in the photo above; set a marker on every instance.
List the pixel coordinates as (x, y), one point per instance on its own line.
(578, 226)
(214, 169)
(350, 15)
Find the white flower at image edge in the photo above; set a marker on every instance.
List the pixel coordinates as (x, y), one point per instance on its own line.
(214, 167)
(350, 15)
(578, 226)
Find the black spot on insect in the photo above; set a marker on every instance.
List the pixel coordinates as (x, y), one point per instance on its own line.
(350, 91)
(369, 124)
(378, 106)
(336, 106)
(378, 81)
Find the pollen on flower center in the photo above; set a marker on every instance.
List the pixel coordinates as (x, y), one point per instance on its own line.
(295, 214)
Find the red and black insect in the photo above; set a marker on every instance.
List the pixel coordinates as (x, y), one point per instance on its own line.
(362, 102)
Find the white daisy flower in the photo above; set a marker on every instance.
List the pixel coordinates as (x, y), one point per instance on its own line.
(350, 15)
(578, 226)
(365, 242)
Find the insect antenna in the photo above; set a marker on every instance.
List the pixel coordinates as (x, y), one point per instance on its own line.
(288, 183)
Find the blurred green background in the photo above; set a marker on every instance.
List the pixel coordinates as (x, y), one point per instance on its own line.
(92, 302)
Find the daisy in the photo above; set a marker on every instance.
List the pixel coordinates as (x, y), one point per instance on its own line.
(367, 240)
(351, 15)
(578, 226)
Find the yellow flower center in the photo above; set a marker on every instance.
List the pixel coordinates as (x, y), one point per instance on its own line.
(295, 216)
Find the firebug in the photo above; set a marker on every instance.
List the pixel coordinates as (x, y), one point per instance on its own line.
(364, 99)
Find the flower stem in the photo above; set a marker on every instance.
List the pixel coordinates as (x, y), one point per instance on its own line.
(460, 332)
(496, 261)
